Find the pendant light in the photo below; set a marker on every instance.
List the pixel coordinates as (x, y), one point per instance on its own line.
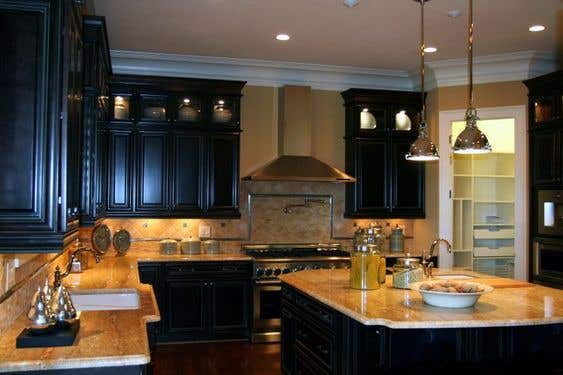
(471, 140)
(422, 149)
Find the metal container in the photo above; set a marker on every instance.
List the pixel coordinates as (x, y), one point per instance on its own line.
(397, 239)
(211, 247)
(190, 246)
(168, 247)
(406, 271)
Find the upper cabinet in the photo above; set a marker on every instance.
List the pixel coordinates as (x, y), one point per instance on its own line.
(546, 126)
(174, 147)
(380, 126)
(95, 114)
(41, 112)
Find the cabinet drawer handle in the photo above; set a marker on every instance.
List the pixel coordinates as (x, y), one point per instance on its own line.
(229, 268)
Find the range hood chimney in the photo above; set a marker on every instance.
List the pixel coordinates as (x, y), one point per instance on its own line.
(295, 135)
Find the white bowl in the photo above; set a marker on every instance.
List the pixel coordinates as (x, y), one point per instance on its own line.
(450, 299)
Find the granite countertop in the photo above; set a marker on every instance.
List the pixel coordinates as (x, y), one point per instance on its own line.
(106, 338)
(511, 303)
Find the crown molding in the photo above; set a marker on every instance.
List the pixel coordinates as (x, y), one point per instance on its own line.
(259, 72)
(516, 66)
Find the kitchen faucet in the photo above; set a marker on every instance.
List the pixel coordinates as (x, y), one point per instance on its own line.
(80, 249)
(427, 263)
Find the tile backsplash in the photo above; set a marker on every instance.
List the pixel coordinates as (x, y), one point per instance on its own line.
(263, 219)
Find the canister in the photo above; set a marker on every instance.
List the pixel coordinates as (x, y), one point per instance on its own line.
(190, 246)
(406, 271)
(168, 247)
(211, 246)
(397, 239)
(365, 263)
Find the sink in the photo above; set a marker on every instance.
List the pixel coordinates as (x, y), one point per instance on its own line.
(453, 276)
(105, 299)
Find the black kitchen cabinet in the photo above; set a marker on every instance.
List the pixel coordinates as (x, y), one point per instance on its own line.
(187, 316)
(545, 130)
(201, 300)
(152, 166)
(120, 171)
(187, 183)
(223, 174)
(40, 119)
(546, 160)
(185, 136)
(97, 70)
(380, 126)
(368, 157)
(407, 184)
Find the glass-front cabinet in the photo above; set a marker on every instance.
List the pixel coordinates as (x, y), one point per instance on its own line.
(404, 118)
(371, 118)
(188, 109)
(122, 107)
(152, 107)
(225, 111)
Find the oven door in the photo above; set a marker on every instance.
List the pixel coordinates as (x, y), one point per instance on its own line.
(548, 262)
(267, 311)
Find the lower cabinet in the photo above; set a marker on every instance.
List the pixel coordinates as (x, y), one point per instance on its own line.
(201, 300)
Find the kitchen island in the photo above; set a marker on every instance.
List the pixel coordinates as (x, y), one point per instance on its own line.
(328, 328)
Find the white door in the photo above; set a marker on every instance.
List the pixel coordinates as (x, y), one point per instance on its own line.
(483, 198)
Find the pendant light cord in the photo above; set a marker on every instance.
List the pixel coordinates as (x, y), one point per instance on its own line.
(423, 110)
(471, 114)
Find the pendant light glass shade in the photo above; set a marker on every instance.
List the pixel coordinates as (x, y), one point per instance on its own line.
(422, 149)
(471, 140)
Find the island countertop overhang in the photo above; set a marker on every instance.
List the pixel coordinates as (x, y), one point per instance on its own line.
(512, 303)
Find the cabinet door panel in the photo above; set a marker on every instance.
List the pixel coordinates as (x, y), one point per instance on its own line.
(25, 197)
(230, 305)
(223, 172)
(371, 186)
(186, 310)
(119, 170)
(187, 164)
(152, 176)
(545, 159)
(407, 181)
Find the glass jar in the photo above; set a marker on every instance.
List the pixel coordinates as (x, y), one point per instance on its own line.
(406, 271)
(365, 267)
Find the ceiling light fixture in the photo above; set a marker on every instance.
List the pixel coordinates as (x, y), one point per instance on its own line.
(351, 3)
(471, 140)
(422, 149)
(282, 37)
(536, 28)
(430, 49)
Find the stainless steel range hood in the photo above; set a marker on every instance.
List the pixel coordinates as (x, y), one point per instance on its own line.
(295, 144)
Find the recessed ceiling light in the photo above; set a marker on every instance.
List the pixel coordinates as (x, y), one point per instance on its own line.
(430, 49)
(537, 28)
(282, 37)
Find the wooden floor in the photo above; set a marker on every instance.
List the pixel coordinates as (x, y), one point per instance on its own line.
(231, 358)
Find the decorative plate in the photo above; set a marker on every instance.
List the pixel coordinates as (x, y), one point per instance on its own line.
(121, 241)
(101, 238)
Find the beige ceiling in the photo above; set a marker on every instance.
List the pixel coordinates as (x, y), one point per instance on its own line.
(375, 33)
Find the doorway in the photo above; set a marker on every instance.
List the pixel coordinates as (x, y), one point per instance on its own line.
(483, 198)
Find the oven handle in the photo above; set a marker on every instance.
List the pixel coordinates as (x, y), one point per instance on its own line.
(536, 260)
(267, 282)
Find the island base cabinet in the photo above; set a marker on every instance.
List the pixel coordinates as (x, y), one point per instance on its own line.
(310, 344)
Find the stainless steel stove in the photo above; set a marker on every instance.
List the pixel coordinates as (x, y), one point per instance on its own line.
(270, 262)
